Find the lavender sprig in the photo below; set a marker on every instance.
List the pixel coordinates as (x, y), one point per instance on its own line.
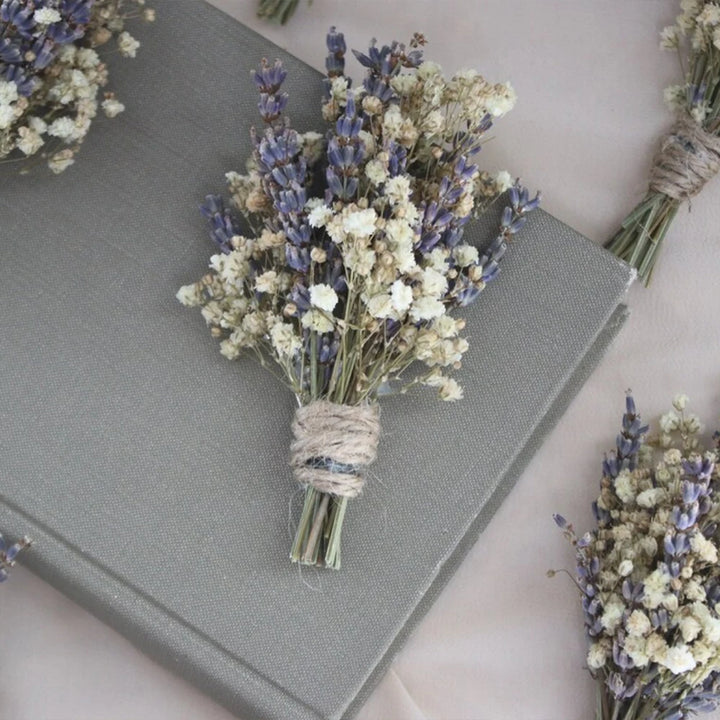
(9, 554)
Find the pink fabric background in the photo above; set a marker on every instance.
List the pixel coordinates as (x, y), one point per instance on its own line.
(503, 642)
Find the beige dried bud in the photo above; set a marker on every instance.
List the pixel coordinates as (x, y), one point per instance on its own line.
(318, 255)
(290, 309)
(100, 36)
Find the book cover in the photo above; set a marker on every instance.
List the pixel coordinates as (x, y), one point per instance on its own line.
(153, 474)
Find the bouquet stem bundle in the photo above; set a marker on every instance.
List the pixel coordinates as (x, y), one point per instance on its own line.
(689, 156)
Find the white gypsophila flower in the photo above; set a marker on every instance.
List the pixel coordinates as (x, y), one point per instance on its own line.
(317, 320)
(323, 297)
(689, 627)
(428, 69)
(46, 16)
(397, 189)
(376, 172)
(63, 128)
(8, 92)
(678, 659)
(669, 422)
(704, 548)
(503, 181)
(87, 58)
(670, 37)
(680, 402)
(339, 88)
(401, 296)
(404, 84)
(368, 140)
(625, 568)
(450, 391)
(37, 124)
(596, 657)
(360, 223)
(7, 116)
(433, 123)
(29, 142)
(127, 44)
(612, 615)
(654, 588)
(437, 259)
(320, 216)
(465, 255)
(189, 295)
(635, 648)
(313, 145)
(380, 306)
(699, 113)
(445, 326)
(692, 424)
(284, 339)
(426, 308)
(112, 107)
(638, 623)
(61, 161)
(502, 101)
(656, 647)
(267, 282)
(672, 457)
(702, 652)
(360, 260)
(229, 349)
(434, 284)
(710, 15)
(624, 487)
(650, 498)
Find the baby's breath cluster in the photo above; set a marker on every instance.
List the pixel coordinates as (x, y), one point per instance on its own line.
(341, 254)
(649, 574)
(690, 154)
(51, 73)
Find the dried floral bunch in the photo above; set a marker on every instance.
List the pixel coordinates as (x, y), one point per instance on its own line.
(689, 155)
(51, 74)
(354, 262)
(649, 574)
(8, 555)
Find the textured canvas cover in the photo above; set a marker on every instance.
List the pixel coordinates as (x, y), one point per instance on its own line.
(152, 473)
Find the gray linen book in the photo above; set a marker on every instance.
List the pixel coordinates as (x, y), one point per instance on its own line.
(152, 473)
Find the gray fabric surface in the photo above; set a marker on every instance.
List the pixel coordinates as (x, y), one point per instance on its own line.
(153, 473)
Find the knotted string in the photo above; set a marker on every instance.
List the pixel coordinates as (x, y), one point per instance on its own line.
(332, 444)
(688, 157)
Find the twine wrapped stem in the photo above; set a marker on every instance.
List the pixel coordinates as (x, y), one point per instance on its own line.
(687, 159)
(333, 443)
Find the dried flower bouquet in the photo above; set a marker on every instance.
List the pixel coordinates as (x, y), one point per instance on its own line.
(689, 155)
(649, 575)
(51, 74)
(351, 262)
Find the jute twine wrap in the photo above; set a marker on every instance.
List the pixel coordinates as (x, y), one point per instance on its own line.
(688, 157)
(332, 444)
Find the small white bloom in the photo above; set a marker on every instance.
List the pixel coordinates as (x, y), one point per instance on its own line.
(705, 548)
(638, 623)
(127, 44)
(317, 320)
(426, 308)
(636, 649)
(323, 297)
(397, 189)
(450, 390)
(376, 172)
(624, 487)
(320, 216)
(380, 305)
(434, 284)
(61, 161)
(360, 223)
(625, 568)
(46, 16)
(401, 296)
(670, 37)
(189, 295)
(596, 657)
(63, 128)
(680, 401)
(36, 124)
(112, 107)
(650, 498)
(7, 116)
(612, 615)
(678, 659)
(503, 181)
(669, 422)
(8, 92)
(284, 339)
(267, 282)
(689, 628)
(465, 255)
(29, 141)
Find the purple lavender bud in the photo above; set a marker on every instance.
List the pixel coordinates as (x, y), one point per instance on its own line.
(560, 521)
(269, 78)
(3, 574)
